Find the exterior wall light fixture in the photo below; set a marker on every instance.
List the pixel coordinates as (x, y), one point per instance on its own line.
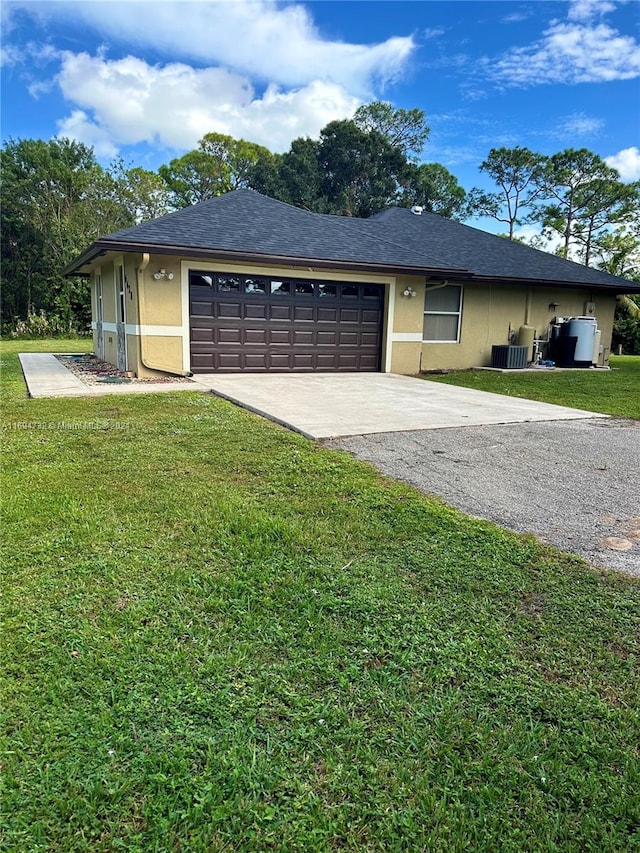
(409, 292)
(162, 273)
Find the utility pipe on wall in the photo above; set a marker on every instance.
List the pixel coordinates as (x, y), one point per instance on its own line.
(430, 287)
(527, 310)
(152, 365)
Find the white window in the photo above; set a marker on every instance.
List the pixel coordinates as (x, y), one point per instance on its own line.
(442, 314)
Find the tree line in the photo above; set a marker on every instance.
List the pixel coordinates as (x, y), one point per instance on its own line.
(56, 198)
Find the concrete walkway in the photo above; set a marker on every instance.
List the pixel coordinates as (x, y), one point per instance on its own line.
(45, 376)
(328, 405)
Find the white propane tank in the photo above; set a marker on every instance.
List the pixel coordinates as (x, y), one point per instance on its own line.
(584, 330)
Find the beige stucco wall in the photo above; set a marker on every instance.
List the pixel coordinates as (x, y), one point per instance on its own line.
(160, 349)
(406, 333)
(405, 358)
(491, 312)
(409, 309)
(162, 299)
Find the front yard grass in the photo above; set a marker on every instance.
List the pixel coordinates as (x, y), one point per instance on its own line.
(220, 636)
(612, 392)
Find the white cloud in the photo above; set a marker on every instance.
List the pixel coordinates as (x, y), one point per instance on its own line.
(128, 101)
(575, 51)
(586, 10)
(255, 69)
(627, 162)
(516, 17)
(11, 55)
(260, 38)
(79, 126)
(578, 124)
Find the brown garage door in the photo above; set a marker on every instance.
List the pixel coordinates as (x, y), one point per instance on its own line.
(241, 322)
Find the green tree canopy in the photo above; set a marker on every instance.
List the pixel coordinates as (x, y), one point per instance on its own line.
(218, 165)
(143, 192)
(579, 196)
(55, 199)
(406, 130)
(294, 177)
(517, 173)
(361, 171)
(432, 186)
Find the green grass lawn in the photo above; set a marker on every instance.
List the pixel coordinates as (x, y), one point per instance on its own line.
(612, 392)
(218, 636)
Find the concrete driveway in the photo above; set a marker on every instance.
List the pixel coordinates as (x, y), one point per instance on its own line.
(328, 405)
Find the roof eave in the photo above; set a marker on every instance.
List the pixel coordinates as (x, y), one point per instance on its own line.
(101, 246)
(613, 287)
(74, 267)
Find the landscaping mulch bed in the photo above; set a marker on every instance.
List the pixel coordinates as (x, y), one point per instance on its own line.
(93, 371)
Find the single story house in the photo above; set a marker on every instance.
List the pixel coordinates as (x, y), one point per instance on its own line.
(243, 282)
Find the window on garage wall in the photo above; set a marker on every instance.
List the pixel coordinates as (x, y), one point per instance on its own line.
(442, 314)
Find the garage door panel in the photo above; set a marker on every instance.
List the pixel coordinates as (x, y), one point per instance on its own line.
(255, 336)
(255, 361)
(348, 339)
(327, 315)
(243, 323)
(368, 362)
(203, 362)
(279, 337)
(349, 362)
(255, 311)
(325, 339)
(303, 338)
(303, 313)
(202, 335)
(328, 361)
(229, 309)
(302, 361)
(283, 313)
(368, 339)
(280, 361)
(201, 309)
(229, 361)
(229, 336)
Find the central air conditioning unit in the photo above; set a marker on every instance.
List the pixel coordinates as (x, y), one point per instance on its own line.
(509, 357)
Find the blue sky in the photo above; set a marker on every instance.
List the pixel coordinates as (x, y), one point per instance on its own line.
(147, 79)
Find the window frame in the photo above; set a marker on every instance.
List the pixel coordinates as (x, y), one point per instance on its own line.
(99, 297)
(457, 314)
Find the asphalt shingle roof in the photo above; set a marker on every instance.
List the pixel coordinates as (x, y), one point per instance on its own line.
(484, 254)
(245, 222)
